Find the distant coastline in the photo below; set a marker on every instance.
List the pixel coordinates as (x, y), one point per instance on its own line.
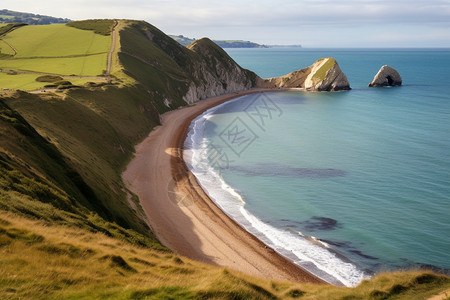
(186, 41)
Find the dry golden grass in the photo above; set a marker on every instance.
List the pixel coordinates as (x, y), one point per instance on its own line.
(43, 261)
(39, 260)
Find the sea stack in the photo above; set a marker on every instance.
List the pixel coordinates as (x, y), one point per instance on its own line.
(386, 76)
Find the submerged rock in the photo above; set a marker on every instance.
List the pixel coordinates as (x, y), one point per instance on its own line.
(386, 76)
(324, 75)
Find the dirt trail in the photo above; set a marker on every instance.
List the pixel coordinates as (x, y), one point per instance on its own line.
(113, 45)
(10, 46)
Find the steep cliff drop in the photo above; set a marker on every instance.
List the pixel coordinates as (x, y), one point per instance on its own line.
(216, 73)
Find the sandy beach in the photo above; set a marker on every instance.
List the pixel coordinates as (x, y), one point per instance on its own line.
(183, 217)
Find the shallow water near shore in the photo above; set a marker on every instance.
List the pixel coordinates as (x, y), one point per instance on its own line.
(344, 184)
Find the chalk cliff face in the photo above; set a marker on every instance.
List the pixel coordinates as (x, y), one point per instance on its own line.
(216, 73)
(324, 75)
(386, 76)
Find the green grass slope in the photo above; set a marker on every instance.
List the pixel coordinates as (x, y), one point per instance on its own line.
(99, 26)
(68, 226)
(38, 181)
(154, 68)
(55, 49)
(56, 40)
(167, 70)
(95, 131)
(90, 65)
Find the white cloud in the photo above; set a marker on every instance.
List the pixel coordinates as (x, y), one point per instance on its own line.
(243, 18)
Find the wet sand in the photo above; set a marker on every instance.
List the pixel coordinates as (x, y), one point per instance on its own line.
(183, 217)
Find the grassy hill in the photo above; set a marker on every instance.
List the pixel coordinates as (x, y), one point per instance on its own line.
(68, 226)
(56, 40)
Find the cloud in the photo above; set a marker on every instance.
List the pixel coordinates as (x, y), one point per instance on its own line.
(248, 19)
(237, 13)
(244, 12)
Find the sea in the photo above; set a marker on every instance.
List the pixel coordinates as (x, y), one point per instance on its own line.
(344, 184)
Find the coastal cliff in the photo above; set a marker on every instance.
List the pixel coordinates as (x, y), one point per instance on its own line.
(70, 227)
(155, 74)
(174, 75)
(324, 75)
(216, 73)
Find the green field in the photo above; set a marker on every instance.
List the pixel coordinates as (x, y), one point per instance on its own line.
(5, 48)
(53, 49)
(56, 41)
(20, 81)
(91, 65)
(5, 17)
(28, 82)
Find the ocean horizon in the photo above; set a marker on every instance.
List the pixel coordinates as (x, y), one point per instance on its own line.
(344, 184)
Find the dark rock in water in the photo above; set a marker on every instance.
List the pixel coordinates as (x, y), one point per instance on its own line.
(336, 243)
(357, 252)
(320, 223)
(272, 170)
(349, 248)
(386, 76)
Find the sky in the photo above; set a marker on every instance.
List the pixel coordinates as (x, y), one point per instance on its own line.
(310, 23)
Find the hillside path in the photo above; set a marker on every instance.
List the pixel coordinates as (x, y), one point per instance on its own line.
(113, 45)
(10, 46)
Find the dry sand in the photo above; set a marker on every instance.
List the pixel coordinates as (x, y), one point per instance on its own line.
(183, 217)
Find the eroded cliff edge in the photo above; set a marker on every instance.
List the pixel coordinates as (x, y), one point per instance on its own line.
(174, 75)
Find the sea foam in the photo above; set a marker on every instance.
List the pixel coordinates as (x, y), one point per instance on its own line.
(306, 252)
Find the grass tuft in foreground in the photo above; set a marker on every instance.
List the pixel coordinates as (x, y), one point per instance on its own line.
(45, 261)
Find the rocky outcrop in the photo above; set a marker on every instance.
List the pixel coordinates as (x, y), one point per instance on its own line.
(386, 76)
(324, 75)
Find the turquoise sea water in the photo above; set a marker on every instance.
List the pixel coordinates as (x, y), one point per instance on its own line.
(344, 183)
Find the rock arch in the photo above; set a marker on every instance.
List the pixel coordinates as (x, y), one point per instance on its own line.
(386, 76)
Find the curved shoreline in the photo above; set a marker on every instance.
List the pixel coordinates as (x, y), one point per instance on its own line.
(183, 217)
